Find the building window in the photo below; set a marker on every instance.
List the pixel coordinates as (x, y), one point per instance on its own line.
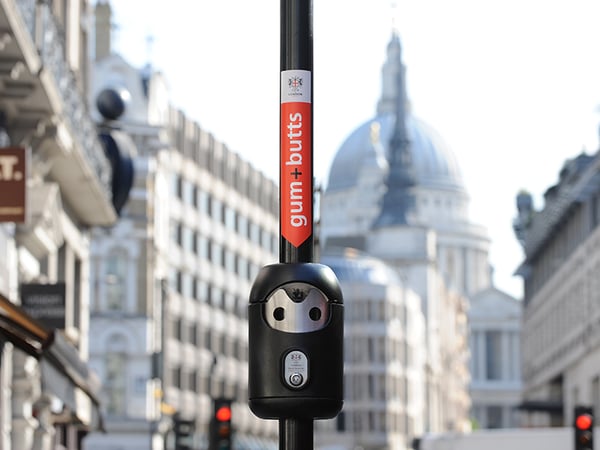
(494, 417)
(265, 239)
(139, 386)
(356, 421)
(188, 192)
(216, 296)
(241, 351)
(252, 271)
(176, 185)
(203, 247)
(229, 302)
(493, 355)
(196, 197)
(216, 254)
(207, 339)
(115, 382)
(230, 263)
(192, 384)
(216, 209)
(178, 329)
(178, 233)
(178, 281)
(242, 226)
(187, 239)
(242, 267)
(382, 393)
(254, 233)
(371, 380)
(193, 334)
(230, 218)
(115, 278)
(201, 290)
(216, 343)
(242, 308)
(203, 384)
(187, 285)
(204, 203)
(176, 377)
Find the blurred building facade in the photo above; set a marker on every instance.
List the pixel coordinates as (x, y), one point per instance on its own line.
(561, 316)
(49, 148)
(495, 363)
(384, 358)
(171, 280)
(395, 192)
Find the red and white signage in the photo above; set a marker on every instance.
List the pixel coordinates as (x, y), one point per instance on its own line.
(295, 156)
(12, 184)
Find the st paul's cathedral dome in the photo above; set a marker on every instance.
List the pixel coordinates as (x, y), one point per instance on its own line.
(393, 169)
(434, 163)
(395, 172)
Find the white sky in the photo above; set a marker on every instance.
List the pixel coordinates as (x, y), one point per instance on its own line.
(513, 86)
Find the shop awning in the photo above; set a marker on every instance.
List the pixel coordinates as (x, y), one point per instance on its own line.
(63, 372)
(17, 327)
(548, 406)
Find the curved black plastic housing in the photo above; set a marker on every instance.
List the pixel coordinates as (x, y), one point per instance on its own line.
(273, 276)
(270, 396)
(120, 149)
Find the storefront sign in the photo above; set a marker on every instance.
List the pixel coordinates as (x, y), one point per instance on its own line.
(12, 184)
(45, 303)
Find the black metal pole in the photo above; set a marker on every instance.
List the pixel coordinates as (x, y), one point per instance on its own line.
(296, 434)
(296, 167)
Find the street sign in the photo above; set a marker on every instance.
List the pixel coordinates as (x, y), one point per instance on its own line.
(13, 177)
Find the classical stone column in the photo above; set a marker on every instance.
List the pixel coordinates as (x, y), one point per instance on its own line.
(43, 436)
(26, 387)
(5, 395)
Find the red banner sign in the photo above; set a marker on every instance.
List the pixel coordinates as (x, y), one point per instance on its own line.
(12, 184)
(295, 157)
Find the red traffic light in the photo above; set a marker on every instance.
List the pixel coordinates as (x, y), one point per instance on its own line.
(223, 414)
(583, 421)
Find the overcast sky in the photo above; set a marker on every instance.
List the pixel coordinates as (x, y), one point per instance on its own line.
(513, 86)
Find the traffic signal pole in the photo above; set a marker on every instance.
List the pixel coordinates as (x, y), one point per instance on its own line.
(295, 315)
